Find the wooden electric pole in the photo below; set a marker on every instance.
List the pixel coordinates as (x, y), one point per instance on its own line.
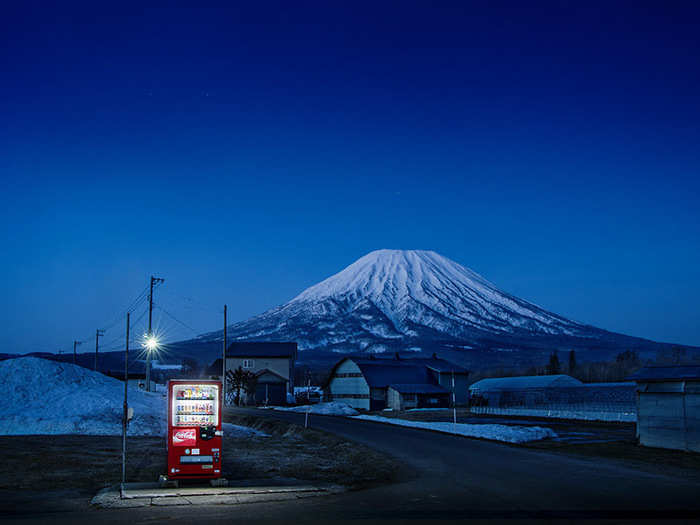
(98, 334)
(154, 280)
(125, 419)
(454, 405)
(223, 363)
(75, 352)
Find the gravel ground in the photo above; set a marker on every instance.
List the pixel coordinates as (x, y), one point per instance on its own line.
(64, 472)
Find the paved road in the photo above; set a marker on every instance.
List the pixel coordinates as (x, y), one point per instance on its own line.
(458, 478)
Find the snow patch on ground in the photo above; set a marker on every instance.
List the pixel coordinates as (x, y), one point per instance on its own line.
(506, 433)
(47, 397)
(237, 431)
(323, 409)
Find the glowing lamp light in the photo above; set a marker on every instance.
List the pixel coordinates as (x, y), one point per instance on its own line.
(151, 343)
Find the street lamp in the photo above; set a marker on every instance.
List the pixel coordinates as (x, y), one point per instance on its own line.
(151, 344)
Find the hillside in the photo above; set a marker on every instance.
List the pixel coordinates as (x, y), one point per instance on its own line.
(420, 301)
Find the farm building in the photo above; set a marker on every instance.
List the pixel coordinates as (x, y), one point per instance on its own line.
(668, 407)
(497, 391)
(420, 395)
(364, 382)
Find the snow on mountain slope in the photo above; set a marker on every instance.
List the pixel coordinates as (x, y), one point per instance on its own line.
(405, 298)
(413, 284)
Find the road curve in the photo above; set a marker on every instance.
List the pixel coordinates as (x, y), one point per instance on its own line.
(456, 478)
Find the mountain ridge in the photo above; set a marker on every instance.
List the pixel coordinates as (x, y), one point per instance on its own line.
(421, 301)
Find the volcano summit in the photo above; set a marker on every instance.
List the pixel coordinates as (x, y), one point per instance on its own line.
(420, 301)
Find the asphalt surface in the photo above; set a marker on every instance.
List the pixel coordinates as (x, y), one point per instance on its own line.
(455, 478)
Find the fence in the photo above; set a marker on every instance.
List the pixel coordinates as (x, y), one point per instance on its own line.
(593, 402)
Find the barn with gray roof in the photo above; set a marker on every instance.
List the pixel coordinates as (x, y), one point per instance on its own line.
(364, 383)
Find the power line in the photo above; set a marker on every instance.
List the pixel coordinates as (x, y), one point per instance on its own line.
(129, 309)
(112, 342)
(176, 320)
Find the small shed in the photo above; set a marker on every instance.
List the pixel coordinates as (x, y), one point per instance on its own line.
(417, 395)
(668, 407)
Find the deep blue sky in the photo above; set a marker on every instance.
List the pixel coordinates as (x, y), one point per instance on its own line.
(246, 154)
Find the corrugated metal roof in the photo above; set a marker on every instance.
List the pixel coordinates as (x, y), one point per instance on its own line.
(261, 349)
(667, 373)
(380, 374)
(419, 388)
(437, 364)
(521, 382)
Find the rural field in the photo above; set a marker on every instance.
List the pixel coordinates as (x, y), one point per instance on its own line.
(62, 473)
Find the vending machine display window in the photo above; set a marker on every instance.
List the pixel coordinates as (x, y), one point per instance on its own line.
(195, 405)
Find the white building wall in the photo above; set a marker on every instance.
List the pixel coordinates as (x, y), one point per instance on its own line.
(349, 386)
(669, 415)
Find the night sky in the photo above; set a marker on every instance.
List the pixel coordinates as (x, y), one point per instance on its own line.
(246, 154)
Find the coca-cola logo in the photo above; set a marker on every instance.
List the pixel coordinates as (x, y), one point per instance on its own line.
(184, 437)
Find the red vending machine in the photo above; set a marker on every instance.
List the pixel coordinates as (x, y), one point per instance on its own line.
(194, 429)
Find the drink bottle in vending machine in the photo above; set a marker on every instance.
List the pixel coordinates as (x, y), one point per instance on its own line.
(195, 432)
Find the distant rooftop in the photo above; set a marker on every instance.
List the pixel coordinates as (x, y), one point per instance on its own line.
(437, 364)
(419, 388)
(380, 373)
(667, 373)
(521, 382)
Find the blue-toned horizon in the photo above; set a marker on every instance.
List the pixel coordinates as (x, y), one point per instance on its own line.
(245, 154)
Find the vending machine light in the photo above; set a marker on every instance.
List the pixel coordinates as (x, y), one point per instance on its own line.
(194, 429)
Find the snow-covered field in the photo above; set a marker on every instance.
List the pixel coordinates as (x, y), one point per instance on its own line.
(509, 434)
(582, 415)
(47, 397)
(323, 409)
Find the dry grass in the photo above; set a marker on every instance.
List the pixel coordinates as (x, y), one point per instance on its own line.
(294, 452)
(64, 472)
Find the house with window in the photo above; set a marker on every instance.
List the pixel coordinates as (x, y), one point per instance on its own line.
(271, 362)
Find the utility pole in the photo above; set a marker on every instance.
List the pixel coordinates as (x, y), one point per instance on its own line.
(308, 399)
(454, 405)
(98, 334)
(75, 353)
(126, 406)
(223, 363)
(154, 280)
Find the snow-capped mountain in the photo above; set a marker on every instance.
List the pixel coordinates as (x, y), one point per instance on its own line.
(415, 287)
(414, 300)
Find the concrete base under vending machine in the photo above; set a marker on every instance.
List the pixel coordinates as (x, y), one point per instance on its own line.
(129, 495)
(166, 482)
